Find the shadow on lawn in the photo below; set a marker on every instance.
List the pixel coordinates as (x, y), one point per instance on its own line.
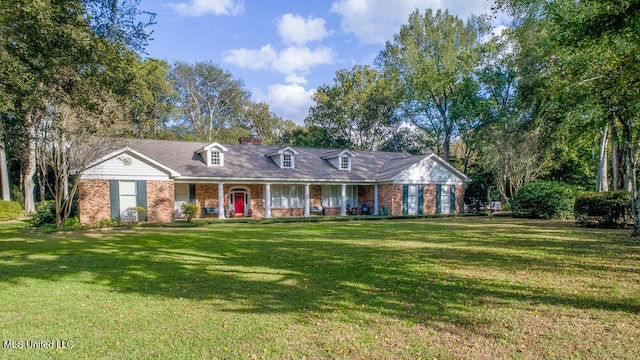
(319, 268)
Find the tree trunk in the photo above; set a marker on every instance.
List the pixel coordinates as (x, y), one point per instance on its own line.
(30, 171)
(4, 169)
(602, 181)
(446, 145)
(614, 167)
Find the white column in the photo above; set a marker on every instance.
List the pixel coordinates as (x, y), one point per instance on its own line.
(307, 211)
(343, 203)
(375, 199)
(267, 201)
(221, 204)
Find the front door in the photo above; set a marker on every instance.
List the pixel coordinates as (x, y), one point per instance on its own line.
(238, 203)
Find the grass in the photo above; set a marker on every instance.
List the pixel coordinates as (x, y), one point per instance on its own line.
(422, 288)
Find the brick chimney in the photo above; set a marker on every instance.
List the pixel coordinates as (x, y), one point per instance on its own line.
(250, 140)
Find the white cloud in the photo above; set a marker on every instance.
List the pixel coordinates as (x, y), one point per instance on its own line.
(295, 60)
(202, 7)
(376, 21)
(294, 29)
(290, 101)
(296, 79)
(252, 59)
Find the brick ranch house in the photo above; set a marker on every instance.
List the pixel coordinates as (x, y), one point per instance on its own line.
(253, 180)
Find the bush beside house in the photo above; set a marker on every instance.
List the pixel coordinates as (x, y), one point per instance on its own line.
(10, 210)
(610, 209)
(544, 200)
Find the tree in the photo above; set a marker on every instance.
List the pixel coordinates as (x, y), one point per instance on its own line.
(211, 101)
(152, 107)
(4, 169)
(432, 56)
(360, 107)
(60, 53)
(591, 48)
(260, 121)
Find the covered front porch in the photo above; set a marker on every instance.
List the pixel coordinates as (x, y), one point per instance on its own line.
(279, 199)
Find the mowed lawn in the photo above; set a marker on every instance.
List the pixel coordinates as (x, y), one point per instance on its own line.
(451, 288)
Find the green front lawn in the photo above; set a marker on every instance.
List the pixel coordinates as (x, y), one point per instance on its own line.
(426, 288)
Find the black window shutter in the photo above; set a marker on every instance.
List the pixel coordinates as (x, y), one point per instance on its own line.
(438, 199)
(420, 199)
(114, 196)
(192, 193)
(141, 196)
(405, 199)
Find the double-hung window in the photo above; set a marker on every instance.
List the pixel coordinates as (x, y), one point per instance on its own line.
(332, 195)
(287, 162)
(215, 158)
(286, 196)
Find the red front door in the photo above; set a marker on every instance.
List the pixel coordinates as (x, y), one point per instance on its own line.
(238, 202)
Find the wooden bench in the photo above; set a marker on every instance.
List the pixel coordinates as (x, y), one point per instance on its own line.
(209, 211)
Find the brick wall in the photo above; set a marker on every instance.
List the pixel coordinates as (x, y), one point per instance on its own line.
(94, 201)
(160, 201)
(460, 198)
(390, 195)
(430, 192)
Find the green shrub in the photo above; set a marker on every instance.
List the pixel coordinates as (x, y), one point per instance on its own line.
(45, 213)
(476, 195)
(610, 209)
(72, 223)
(109, 223)
(544, 200)
(134, 214)
(190, 211)
(10, 210)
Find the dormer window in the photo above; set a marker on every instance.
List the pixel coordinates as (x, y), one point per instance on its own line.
(345, 163)
(213, 154)
(340, 159)
(287, 161)
(284, 157)
(215, 158)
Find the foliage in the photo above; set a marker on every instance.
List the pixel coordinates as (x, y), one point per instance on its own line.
(604, 209)
(314, 137)
(190, 211)
(134, 214)
(432, 60)
(45, 213)
(360, 107)
(10, 210)
(211, 102)
(544, 200)
(476, 194)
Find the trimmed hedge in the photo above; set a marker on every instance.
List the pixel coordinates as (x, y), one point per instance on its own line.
(10, 210)
(544, 200)
(610, 209)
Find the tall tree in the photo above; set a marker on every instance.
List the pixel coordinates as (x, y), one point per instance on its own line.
(431, 56)
(260, 121)
(60, 52)
(592, 46)
(154, 103)
(211, 102)
(360, 107)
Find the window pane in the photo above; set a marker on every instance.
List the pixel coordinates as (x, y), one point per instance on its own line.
(127, 187)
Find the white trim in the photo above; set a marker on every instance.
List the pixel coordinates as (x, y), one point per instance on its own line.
(282, 151)
(211, 146)
(455, 177)
(133, 153)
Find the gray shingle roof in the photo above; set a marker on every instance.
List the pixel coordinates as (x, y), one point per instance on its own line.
(250, 162)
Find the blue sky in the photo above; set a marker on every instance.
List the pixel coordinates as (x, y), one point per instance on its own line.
(284, 49)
